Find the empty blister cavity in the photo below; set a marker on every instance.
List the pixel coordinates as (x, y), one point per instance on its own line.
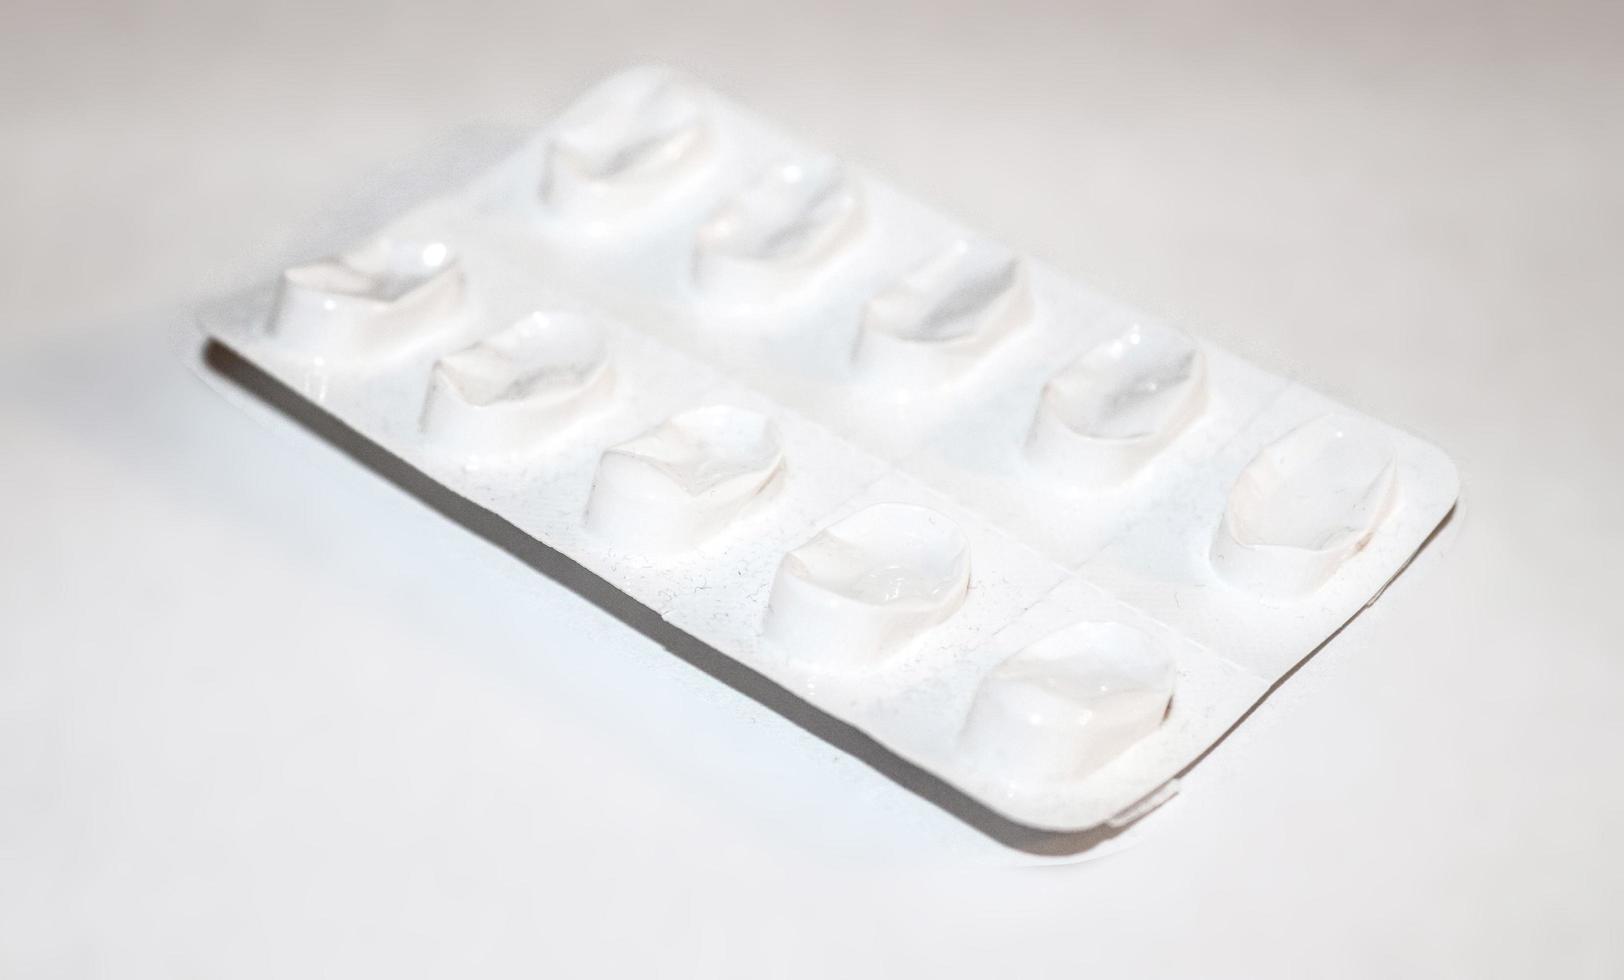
(1068, 704)
(865, 586)
(624, 144)
(1112, 410)
(778, 231)
(684, 481)
(1305, 504)
(516, 388)
(370, 301)
(938, 319)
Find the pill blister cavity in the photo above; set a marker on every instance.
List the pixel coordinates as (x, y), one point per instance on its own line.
(937, 320)
(864, 587)
(1109, 413)
(516, 389)
(1304, 505)
(371, 301)
(624, 145)
(1066, 705)
(776, 233)
(686, 480)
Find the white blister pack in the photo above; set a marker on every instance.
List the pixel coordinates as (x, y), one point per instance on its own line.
(1027, 539)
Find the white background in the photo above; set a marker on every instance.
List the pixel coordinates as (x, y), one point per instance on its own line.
(263, 713)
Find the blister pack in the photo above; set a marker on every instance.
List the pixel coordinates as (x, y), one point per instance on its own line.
(1037, 544)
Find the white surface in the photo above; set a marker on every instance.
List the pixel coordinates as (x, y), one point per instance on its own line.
(188, 785)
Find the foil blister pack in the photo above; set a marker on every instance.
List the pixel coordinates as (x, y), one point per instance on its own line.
(1039, 545)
